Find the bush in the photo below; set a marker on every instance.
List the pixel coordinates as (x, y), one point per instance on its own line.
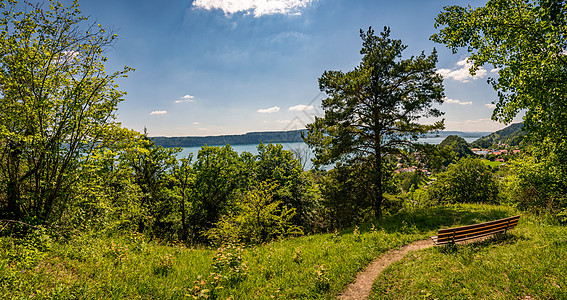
(257, 219)
(536, 185)
(466, 181)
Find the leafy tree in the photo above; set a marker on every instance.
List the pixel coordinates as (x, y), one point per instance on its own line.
(532, 185)
(150, 165)
(526, 41)
(457, 148)
(373, 110)
(294, 187)
(466, 181)
(258, 218)
(57, 105)
(107, 196)
(219, 175)
(345, 196)
(410, 181)
(185, 178)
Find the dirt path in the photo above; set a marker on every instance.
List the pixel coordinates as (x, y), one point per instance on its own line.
(361, 287)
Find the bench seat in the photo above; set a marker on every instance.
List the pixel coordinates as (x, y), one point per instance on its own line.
(463, 233)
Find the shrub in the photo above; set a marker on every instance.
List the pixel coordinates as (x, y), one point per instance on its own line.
(258, 219)
(467, 181)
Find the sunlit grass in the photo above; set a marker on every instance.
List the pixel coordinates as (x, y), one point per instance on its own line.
(491, 164)
(528, 263)
(95, 266)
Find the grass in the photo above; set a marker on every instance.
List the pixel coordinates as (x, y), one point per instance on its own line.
(528, 263)
(491, 164)
(98, 266)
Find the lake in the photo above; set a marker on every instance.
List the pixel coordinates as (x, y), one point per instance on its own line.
(300, 146)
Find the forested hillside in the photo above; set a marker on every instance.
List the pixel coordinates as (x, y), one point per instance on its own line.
(511, 135)
(292, 136)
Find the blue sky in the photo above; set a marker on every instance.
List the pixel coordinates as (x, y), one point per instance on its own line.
(211, 67)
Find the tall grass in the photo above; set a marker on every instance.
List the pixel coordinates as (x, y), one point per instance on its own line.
(119, 266)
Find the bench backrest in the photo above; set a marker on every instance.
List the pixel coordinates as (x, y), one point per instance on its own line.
(457, 234)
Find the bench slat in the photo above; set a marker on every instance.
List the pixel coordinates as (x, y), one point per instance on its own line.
(479, 225)
(457, 234)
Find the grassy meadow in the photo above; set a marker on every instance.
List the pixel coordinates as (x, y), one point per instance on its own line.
(528, 263)
(118, 266)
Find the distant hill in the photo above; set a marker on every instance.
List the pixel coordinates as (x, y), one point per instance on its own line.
(463, 134)
(511, 135)
(292, 136)
(458, 145)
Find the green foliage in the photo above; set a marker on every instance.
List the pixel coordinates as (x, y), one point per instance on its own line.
(373, 110)
(536, 185)
(457, 147)
(150, 166)
(57, 106)
(293, 187)
(466, 181)
(410, 181)
(219, 175)
(258, 218)
(344, 196)
(526, 41)
(511, 135)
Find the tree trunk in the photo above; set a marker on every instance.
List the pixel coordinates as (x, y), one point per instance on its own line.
(377, 205)
(13, 186)
(184, 233)
(377, 197)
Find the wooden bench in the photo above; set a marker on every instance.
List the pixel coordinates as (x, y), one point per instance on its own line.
(458, 234)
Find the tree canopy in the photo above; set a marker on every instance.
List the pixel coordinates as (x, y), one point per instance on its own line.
(526, 40)
(57, 104)
(374, 110)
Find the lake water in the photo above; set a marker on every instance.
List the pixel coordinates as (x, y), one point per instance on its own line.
(300, 146)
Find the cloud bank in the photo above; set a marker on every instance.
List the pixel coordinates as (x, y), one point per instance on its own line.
(461, 73)
(257, 7)
(269, 110)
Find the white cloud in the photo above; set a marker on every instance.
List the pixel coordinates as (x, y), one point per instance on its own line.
(269, 110)
(185, 99)
(490, 105)
(454, 101)
(158, 112)
(196, 123)
(495, 70)
(301, 107)
(257, 7)
(461, 73)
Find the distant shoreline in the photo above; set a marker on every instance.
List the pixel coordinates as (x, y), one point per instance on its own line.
(251, 138)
